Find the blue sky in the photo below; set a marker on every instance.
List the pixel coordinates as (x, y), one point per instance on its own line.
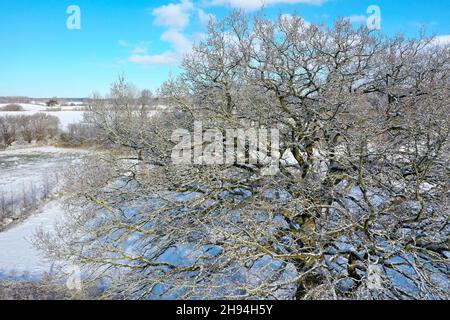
(41, 57)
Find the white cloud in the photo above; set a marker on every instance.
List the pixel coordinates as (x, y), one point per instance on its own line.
(357, 18)
(442, 40)
(179, 42)
(257, 4)
(288, 17)
(174, 15)
(166, 58)
(141, 48)
(205, 18)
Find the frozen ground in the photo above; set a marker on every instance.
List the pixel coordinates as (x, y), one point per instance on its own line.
(19, 259)
(27, 106)
(20, 168)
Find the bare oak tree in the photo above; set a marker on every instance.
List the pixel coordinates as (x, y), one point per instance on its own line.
(358, 208)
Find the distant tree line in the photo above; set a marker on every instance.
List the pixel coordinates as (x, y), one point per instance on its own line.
(26, 128)
(12, 107)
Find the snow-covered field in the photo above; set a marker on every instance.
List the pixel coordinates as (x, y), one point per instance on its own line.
(21, 168)
(19, 259)
(67, 115)
(26, 166)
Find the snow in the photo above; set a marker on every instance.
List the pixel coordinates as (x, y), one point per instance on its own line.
(27, 106)
(18, 256)
(20, 168)
(67, 116)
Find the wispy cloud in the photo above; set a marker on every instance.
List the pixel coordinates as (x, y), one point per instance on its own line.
(175, 17)
(124, 43)
(357, 18)
(166, 58)
(141, 48)
(179, 43)
(204, 17)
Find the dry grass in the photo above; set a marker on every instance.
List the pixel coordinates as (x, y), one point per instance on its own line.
(18, 290)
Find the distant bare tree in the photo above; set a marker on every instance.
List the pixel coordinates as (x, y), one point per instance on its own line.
(7, 131)
(44, 126)
(52, 102)
(38, 127)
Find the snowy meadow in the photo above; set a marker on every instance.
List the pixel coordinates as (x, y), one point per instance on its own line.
(31, 177)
